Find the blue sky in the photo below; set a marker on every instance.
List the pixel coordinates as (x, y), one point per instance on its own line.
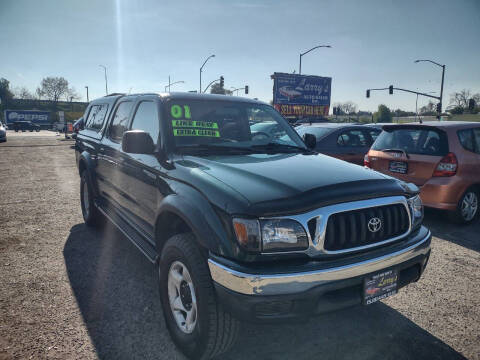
(374, 44)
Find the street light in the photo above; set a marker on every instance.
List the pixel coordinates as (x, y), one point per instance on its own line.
(306, 52)
(208, 58)
(106, 86)
(170, 84)
(443, 77)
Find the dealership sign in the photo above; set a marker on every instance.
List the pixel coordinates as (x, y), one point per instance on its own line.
(37, 117)
(301, 95)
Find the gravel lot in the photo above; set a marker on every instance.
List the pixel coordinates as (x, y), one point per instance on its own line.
(68, 292)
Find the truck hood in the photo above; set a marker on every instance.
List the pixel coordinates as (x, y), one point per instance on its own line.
(285, 183)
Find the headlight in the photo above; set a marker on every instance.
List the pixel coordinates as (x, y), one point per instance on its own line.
(416, 210)
(270, 235)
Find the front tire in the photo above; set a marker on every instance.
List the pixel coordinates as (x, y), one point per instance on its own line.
(467, 208)
(197, 323)
(91, 215)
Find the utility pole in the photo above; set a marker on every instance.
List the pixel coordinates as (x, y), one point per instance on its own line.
(86, 87)
(106, 82)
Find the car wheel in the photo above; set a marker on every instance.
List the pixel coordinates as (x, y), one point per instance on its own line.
(197, 323)
(91, 215)
(467, 208)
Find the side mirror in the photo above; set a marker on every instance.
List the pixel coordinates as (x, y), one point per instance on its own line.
(310, 140)
(137, 142)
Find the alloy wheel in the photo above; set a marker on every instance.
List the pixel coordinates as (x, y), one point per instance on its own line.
(469, 206)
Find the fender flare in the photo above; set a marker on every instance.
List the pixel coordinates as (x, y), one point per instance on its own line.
(86, 159)
(200, 216)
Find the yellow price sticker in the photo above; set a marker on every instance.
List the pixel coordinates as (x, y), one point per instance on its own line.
(196, 132)
(195, 124)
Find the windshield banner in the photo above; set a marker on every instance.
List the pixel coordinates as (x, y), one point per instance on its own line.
(37, 117)
(313, 92)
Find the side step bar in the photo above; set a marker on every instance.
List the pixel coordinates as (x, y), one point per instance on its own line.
(134, 236)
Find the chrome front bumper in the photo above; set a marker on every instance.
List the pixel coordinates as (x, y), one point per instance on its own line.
(283, 284)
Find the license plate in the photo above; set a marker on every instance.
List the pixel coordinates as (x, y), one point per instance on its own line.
(398, 167)
(380, 286)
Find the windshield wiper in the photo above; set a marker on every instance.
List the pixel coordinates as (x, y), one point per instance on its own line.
(214, 148)
(275, 146)
(397, 150)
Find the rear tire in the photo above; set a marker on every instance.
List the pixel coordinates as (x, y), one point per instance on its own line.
(91, 215)
(213, 330)
(467, 208)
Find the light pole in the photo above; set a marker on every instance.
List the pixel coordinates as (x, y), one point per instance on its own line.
(106, 86)
(441, 87)
(86, 87)
(170, 84)
(306, 52)
(208, 58)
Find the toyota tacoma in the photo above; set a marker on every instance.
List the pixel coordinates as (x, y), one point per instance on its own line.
(243, 224)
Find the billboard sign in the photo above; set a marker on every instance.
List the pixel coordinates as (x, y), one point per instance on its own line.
(37, 117)
(301, 95)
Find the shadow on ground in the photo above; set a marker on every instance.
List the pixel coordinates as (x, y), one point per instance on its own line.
(117, 293)
(443, 228)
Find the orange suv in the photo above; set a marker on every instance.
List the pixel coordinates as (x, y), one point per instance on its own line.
(440, 157)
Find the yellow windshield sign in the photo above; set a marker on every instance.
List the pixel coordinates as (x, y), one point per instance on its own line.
(194, 124)
(196, 132)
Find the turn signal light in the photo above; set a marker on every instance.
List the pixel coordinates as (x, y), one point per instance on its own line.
(366, 161)
(447, 166)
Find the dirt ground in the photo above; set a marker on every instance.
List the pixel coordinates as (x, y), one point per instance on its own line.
(69, 292)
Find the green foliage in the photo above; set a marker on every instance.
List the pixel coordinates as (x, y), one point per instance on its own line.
(53, 88)
(218, 89)
(5, 93)
(383, 114)
(457, 110)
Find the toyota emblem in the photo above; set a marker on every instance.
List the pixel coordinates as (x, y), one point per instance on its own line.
(374, 224)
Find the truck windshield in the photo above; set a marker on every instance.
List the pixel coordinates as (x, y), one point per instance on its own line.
(200, 123)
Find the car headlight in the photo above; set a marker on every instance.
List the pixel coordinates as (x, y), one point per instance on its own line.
(416, 210)
(273, 235)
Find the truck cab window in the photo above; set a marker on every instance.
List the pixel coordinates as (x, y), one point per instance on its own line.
(120, 121)
(146, 119)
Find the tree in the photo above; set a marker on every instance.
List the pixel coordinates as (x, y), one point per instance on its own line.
(218, 89)
(348, 108)
(383, 114)
(23, 93)
(5, 93)
(457, 110)
(72, 94)
(429, 109)
(461, 98)
(53, 88)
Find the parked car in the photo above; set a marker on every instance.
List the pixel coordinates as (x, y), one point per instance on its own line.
(342, 141)
(442, 158)
(25, 125)
(3, 133)
(242, 227)
(78, 125)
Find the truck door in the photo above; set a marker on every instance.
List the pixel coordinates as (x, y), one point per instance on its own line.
(111, 158)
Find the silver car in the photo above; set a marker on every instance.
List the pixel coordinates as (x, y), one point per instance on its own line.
(3, 133)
